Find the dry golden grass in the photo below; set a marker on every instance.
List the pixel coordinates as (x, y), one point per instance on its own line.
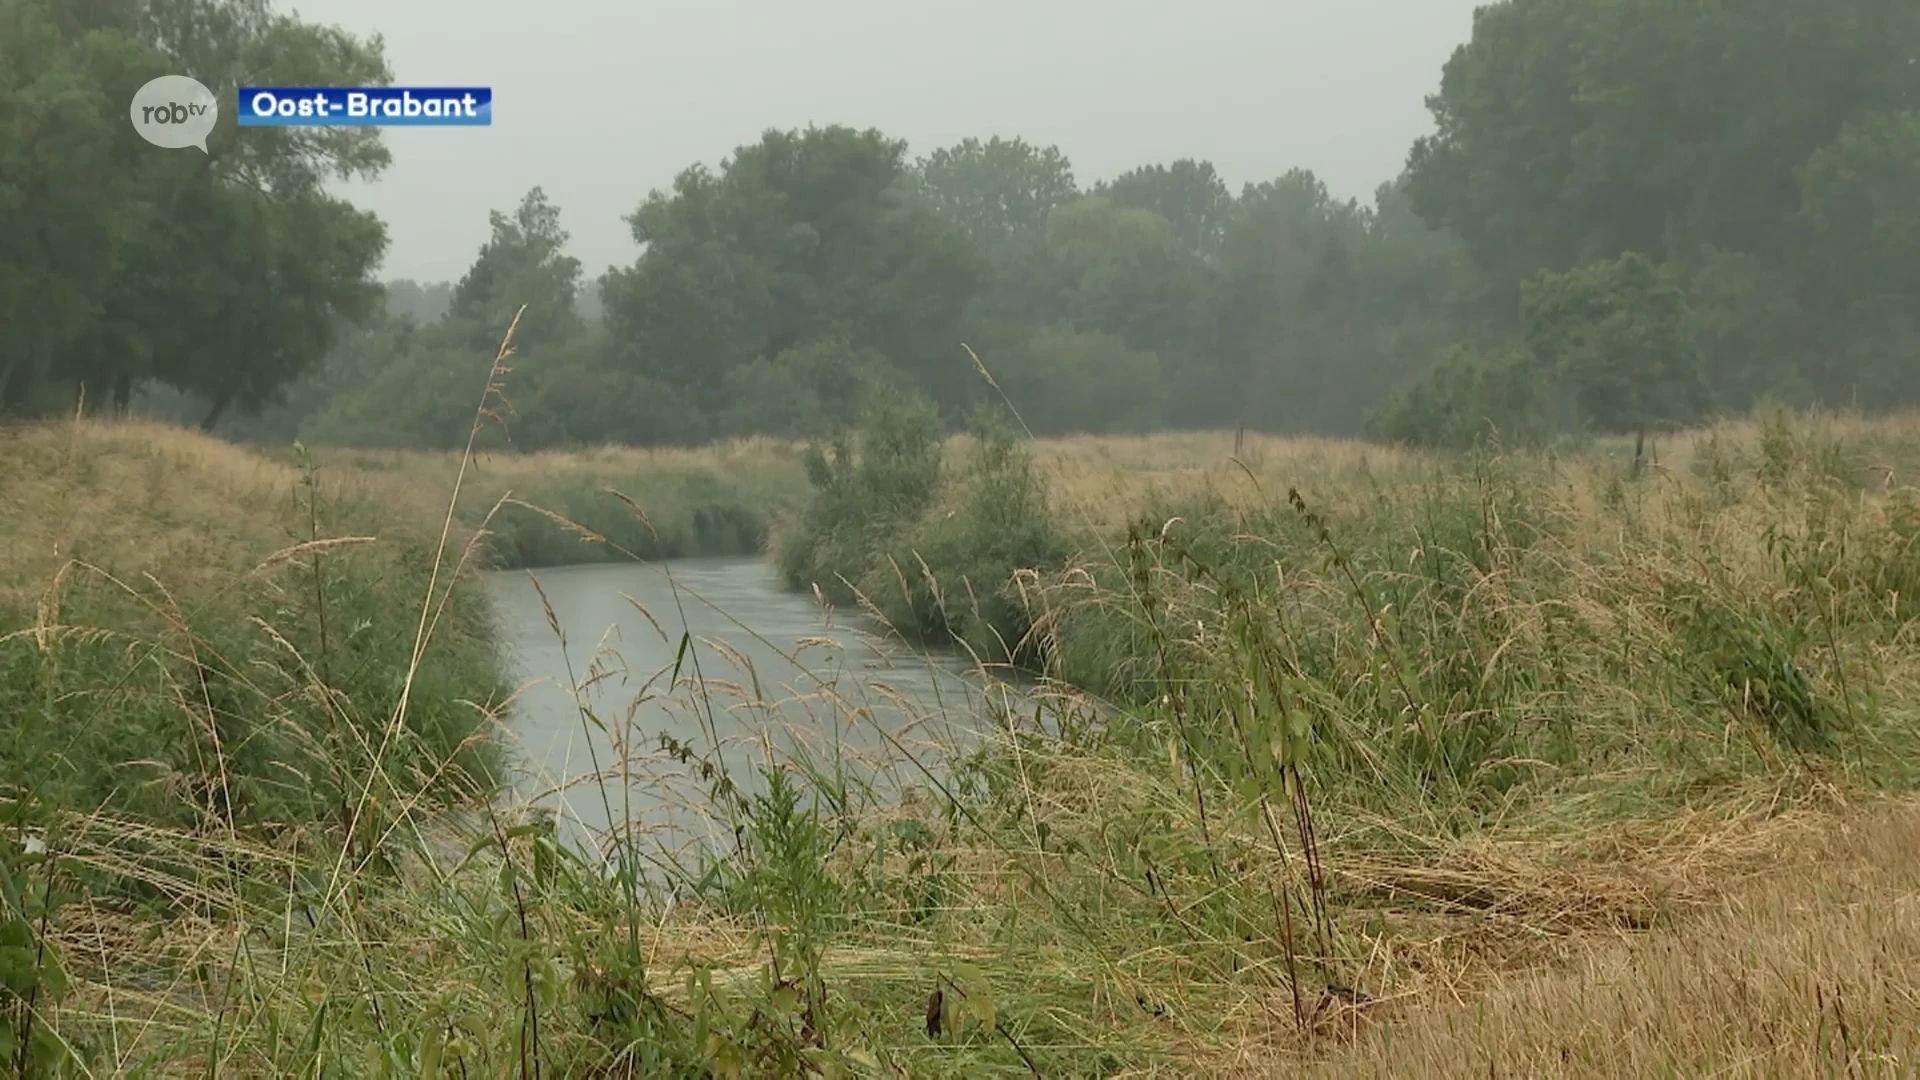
(1104, 479)
(1101, 482)
(1099, 471)
(146, 497)
(137, 498)
(430, 473)
(1807, 963)
(1095, 480)
(733, 455)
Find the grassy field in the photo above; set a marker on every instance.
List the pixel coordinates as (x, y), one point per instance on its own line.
(729, 499)
(1512, 764)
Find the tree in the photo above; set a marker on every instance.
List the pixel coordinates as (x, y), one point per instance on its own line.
(1298, 349)
(1616, 336)
(1859, 268)
(694, 305)
(803, 237)
(1414, 291)
(425, 303)
(1129, 275)
(563, 391)
(289, 272)
(812, 390)
(571, 396)
(1467, 397)
(998, 190)
(422, 397)
(65, 193)
(1063, 381)
(361, 351)
(1414, 272)
(524, 263)
(1576, 130)
(225, 275)
(1496, 168)
(1750, 321)
(1188, 193)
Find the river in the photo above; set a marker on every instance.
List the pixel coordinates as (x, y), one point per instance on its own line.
(785, 680)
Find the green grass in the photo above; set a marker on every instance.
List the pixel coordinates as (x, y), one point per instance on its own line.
(1361, 722)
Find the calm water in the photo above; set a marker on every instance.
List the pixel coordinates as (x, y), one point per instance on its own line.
(783, 684)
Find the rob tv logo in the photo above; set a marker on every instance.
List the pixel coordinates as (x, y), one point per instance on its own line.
(174, 112)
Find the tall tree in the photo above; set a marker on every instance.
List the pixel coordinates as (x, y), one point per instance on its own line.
(1130, 275)
(66, 197)
(1859, 269)
(279, 277)
(1616, 336)
(224, 274)
(425, 303)
(1572, 130)
(1496, 168)
(1188, 193)
(997, 190)
(1298, 349)
(524, 262)
(803, 237)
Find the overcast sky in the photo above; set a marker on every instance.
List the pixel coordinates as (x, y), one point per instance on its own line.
(601, 101)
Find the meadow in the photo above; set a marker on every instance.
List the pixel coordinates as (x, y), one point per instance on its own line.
(1347, 759)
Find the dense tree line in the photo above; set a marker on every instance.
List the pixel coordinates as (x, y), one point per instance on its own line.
(1631, 213)
(1675, 206)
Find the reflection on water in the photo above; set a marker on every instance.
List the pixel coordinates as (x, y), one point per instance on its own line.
(784, 684)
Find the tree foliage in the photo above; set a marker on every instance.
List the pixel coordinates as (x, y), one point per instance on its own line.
(1628, 214)
(225, 275)
(1189, 194)
(523, 264)
(999, 190)
(1614, 336)
(802, 237)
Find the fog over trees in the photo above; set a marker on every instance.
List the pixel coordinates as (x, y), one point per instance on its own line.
(1627, 216)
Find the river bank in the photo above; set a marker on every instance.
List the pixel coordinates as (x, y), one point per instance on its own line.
(1393, 727)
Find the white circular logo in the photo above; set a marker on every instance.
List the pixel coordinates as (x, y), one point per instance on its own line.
(175, 112)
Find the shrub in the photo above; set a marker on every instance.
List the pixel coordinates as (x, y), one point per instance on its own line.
(866, 488)
(959, 567)
(1467, 397)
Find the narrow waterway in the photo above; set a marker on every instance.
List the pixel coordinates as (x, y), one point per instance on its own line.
(763, 675)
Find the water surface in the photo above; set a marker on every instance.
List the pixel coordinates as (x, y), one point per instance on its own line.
(784, 682)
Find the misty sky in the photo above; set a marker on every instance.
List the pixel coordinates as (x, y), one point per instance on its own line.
(600, 101)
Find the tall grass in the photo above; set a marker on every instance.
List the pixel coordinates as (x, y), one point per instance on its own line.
(1369, 733)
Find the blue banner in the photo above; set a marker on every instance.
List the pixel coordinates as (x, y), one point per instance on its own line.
(366, 106)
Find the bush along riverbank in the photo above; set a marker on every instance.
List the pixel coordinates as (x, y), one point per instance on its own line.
(1485, 623)
(1391, 732)
(936, 553)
